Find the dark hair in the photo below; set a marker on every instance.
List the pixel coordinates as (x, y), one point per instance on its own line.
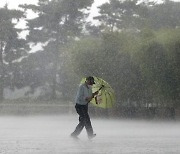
(91, 79)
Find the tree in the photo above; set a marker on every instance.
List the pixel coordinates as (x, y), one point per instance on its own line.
(154, 68)
(122, 15)
(58, 22)
(133, 15)
(170, 39)
(11, 46)
(165, 15)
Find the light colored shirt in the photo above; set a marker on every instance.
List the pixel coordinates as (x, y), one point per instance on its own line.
(82, 93)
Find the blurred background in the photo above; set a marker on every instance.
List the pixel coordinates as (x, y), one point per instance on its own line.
(48, 46)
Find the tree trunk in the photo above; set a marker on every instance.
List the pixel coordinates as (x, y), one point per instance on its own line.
(54, 95)
(55, 67)
(1, 74)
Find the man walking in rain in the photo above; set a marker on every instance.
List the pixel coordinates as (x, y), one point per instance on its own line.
(83, 97)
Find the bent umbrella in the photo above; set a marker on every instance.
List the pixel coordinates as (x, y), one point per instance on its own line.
(105, 97)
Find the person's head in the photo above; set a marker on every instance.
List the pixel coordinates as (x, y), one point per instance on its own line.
(90, 80)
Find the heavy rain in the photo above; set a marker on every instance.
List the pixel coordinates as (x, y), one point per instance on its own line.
(119, 59)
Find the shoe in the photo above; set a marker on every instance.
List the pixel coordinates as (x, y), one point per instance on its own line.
(91, 136)
(74, 136)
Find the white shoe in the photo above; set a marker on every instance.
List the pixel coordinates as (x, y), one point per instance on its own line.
(74, 136)
(91, 136)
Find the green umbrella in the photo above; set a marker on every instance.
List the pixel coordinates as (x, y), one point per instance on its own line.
(105, 97)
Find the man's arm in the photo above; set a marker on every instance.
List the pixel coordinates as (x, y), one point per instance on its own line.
(90, 98)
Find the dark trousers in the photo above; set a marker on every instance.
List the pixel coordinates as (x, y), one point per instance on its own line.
(84, 120)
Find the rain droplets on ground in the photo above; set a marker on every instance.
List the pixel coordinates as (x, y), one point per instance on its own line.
(50, 135)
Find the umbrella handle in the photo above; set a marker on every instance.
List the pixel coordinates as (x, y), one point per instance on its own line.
(97, 92)
(101, 87)
(96, 100)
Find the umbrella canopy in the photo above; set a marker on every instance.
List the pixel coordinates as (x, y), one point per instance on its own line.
(105, 97)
